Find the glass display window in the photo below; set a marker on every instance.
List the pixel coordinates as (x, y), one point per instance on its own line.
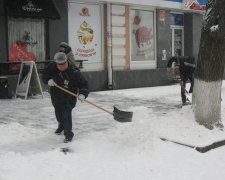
(26, 39)
(142, 35)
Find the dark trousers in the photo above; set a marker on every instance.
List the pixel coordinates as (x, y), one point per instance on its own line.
(64, 118)
(184, 78)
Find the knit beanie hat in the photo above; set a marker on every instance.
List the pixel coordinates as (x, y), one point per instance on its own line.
(60, 58)
(63, 44)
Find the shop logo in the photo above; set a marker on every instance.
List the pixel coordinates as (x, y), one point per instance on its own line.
(27, 39)
(137, 20)
(85, 34)
(193, 4)
(84, 12)
(30, 7)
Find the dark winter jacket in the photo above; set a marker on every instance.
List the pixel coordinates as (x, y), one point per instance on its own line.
(70, 79)
(186, 64)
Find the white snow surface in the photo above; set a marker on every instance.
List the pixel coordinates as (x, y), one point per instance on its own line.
(104, 149)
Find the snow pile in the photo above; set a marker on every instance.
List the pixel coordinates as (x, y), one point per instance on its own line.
(104, 149)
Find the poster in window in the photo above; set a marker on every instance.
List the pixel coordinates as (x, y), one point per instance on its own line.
(85, 31)
(162, 15)
(178, 42)
(195, 4)
(18, 52)
(142, 35)
(26, 40)
(176, 19)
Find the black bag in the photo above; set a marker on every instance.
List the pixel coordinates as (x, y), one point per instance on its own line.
(5, 92)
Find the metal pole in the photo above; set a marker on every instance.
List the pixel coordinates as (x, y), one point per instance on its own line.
(109, 47)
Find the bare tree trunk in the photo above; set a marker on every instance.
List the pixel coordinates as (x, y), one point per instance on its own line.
(210, 66)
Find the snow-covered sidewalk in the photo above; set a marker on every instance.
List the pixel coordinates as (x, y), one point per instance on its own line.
(104, 149)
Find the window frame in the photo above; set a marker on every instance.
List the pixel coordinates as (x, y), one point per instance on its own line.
(173, 28)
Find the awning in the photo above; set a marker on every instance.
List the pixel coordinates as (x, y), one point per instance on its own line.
(32, 8)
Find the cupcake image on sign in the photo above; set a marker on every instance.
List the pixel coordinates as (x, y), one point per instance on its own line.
(85, 34)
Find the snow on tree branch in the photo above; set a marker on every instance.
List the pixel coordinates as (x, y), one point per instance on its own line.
(214, 28)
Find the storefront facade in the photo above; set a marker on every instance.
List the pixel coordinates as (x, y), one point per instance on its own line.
(124, 45)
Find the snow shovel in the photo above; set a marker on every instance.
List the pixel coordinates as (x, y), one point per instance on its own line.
(187, 94)
(201, 149)
(120, 116)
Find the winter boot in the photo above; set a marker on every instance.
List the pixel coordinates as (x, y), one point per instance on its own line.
(68, 138)
(58, 130)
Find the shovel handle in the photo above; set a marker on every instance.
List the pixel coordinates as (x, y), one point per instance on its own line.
(85, 100)
(179, 81)
(182, 86)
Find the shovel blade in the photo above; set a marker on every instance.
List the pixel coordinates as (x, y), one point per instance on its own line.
(189, 97)
(122, 116)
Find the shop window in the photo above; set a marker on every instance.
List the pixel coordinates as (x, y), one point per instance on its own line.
(26, 39)
(177, 42)
(143, 36)
(177, 28)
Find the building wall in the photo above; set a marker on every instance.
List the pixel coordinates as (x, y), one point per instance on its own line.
(188, 34)
(122, 77)
(173, 4)
(151, 77)
(192, 33)
(3, 34)
(141, 78)
(118, 37)
(56, 32)
(164, 38)
(58, 29)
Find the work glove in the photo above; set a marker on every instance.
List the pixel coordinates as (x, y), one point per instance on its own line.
(81, 98)
(51, 82)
